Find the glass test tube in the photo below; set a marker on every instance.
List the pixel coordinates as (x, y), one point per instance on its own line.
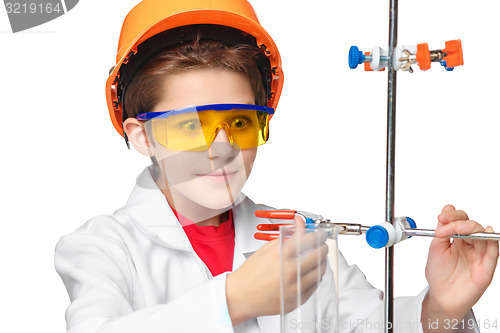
(309, 300)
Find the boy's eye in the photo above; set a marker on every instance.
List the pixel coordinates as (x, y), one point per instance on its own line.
(190, 125)
(240, 122)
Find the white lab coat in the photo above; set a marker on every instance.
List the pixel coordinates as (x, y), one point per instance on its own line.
(135, 271)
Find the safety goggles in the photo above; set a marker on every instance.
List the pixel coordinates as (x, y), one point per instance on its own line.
(195, 128)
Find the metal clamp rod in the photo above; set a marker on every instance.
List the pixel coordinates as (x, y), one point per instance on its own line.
(351, 228)
(431, 233)
(358, 229)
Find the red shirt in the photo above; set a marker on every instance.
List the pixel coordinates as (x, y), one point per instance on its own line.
(214, 245)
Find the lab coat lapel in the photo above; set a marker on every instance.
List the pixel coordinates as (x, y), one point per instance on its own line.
(150, 211)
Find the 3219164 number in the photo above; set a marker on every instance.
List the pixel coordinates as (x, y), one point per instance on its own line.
(32, 8)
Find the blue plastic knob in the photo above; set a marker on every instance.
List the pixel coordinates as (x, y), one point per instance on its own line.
(443, 63)
(377, 237)
(356, 57)
(412, 223)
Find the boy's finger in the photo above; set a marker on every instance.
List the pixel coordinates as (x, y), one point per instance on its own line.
(313, 277)
(309, 241)
(299, 222)
(492, 253)
(312, 259)
(449, 214)
(468, 227)
(305, 295)
(303, 241)
(448, 207)
(458, 228)
(445, 230)
(440, 243)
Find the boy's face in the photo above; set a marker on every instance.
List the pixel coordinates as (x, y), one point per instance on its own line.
(212, 178)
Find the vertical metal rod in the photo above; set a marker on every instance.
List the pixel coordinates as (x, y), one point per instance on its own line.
(390, 165)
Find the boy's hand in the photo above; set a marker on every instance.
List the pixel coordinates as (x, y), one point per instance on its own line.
(458, 271)
(253, 290)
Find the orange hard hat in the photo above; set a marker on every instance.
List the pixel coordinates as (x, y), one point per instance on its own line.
(172, 20)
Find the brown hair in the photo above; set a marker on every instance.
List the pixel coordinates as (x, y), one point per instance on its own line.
(144, 91)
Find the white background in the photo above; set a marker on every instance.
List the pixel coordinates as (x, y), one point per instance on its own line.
(62, 161)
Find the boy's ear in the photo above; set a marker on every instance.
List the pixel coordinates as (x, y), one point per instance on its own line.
(136, 135)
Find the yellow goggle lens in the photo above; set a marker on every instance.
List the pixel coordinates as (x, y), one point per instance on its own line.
(196, 131)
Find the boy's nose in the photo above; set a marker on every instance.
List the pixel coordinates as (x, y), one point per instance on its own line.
(222, 136)
(221, 147)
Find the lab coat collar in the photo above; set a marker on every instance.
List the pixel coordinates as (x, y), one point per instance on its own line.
(150, 211)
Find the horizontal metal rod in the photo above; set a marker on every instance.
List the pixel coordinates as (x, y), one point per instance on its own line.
(431, 233)
(358, 229)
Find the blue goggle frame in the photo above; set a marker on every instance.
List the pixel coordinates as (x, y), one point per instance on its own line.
(215, 107)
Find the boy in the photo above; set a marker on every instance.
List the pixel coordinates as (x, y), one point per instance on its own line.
(194, 88)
